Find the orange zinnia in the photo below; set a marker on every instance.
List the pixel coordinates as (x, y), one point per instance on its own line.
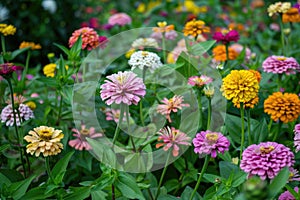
(292, 15)
(219, 53)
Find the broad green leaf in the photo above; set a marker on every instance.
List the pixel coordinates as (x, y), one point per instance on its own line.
(36, 193)
(18, 52)
(279, 182)
(18, 189)
(259, 131)
(202, 47)
(60, 168)
(233, 126)
(127, 185)
(63, 48)
(226, 168)
(4, 180)
(4, 147)
(98, 195)
(78, 193)
(171, 184)
(211, 177)
(239, 178)
(186, 194)
(210, 193)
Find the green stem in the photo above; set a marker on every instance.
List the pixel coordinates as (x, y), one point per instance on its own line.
(200, 177)
(162, 175)
(13, 108)
(141, 113)
(279, 81)
(270, 125)
(278, 131)
(209, 114)
(164, 48)
(144, 74)
(60, 109)
(200, 108)
(3, 44)
(117, 131)
(48, 168)
(128, 128)
(282, 36)
(243, 130)
(249, 128)
(142, 146)
(25, 70)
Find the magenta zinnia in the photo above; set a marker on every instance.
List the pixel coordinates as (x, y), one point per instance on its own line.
(172, 138)
(123, 87)
(80, 142)
(171, 105)
(208, 142)
(266, 159)
(90, 38)
(7, 69)
(297, 137)
(226, 37)
(281, 65)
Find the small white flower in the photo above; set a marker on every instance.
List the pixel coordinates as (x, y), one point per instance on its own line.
(49, 5)
(144, 42)
(145, 59)
(4, 12)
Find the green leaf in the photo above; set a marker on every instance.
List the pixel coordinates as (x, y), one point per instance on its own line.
(18, 189)
(259, 130)
(226, 168)
(186, 194)
(18, 52)
(78, 193)
(279, 182)
(239, 178)
(127, 185)
(36, 193)
(98, 195)
(202, 47)
(4, 180)
(60, 168)
(233, 126)
(4, 147)
(171, 184)
(63, 48)
(211, 177)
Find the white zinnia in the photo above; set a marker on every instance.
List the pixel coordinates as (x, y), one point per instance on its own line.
(145, 59)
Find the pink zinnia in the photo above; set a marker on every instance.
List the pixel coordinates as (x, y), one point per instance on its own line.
(266, 159)
(120, 19)
(172, 138)
(80, 142)
(7, 69)
(280, 65)
(123, 87)
(90, 38)
(199, 81)
(297, 137)
(287, 195)
(231, 36)
(114, 115)
(208, 142)
(171, 105)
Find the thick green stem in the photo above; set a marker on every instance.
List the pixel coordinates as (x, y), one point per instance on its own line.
(279, 81)
(141, 113)
(59, 109)
(209, 114)
(242, 130)
(200, 108)
(128, 128)
(13, 108)
(282, 36)
(117, 131)
(3, 44)
(163, 175)
(25, 70)
(164, 48)
(48, 168)
(200, 177)
(249, 128)
(278, 131)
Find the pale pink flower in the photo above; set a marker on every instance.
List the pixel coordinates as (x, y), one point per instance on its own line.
(172, 138)
(114, 115)
(90, 38)
(120, 19)
(287, 195)
(199, 81)
(297, 137)
(123, 87)
(171, 105)
(294, 175)
(239, 48)
(80, 143)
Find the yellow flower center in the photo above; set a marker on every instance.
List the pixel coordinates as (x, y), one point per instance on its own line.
(85, 132)
(224, 31)
(281, 58)
(212, 137)
(144, 53)
(45, 135)
(161, 24)
(266, 150)
(120, 79)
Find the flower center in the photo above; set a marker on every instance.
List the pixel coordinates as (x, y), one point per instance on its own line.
(45, 135)
(144, 53)
(266, 150)
(212, 137)
(85, 132)
(120, 79)
(281, 58)
(224, 31)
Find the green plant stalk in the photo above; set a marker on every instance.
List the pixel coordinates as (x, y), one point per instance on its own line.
(242, 110)
(48, 168)
(25, 70)
(164, 48)
(59, 109)
(142, 146)
(141, 113)
(209, 114)
(279, 81)
(117, 131)
(3, 44)
(162, 175)
(249, 128)
(129, 129)
(200, 108)
(278, 131)
(200, 177)
(282, 36)
(270, 125)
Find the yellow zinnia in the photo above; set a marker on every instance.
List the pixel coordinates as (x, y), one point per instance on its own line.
(195, 28)
(283, 107)
(240, 86)
(30, 44)
(49, 70)
(7, 29)
(45, 140)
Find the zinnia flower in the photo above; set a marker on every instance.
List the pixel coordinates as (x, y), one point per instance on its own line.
(114, 114)
(120, 19)
(284, 107)
(90, 38)
(7, 29)
(45, 140)
(209, 91)
(226, 37)
(172, 138)
(297, 137)
(219, 53)
(294, 175)
(278, 7)
(80, 142)
(141, 43)
(280, 65)
(123, 87)
(33, 46)
(163, 27)
(208, 142)
(6, 69)
(171, 105)
(292, 15)
(199, 81)
(266, 159)
(195, 28)
(239, 48)
(287, 195)
(145, 59)
(7, 115)
(240, 86)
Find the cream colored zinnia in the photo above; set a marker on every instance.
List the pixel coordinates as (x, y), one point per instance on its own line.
(45, 140)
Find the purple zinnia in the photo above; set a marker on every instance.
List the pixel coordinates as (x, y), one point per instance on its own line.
(6, 69)
(287, 195)
(7, 115)
(266, 159)
(208, 142)
(280, 65)
(231, 36)
(297, 137)
(123, 87)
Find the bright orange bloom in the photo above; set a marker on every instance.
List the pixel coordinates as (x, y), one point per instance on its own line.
(30, 44)
(283, 107)
(219, 53)
(163, 27)
(195, 28)
(292, 15)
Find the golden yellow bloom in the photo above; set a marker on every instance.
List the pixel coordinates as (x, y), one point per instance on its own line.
(31, 105)
(45, 140)
(163, 27)
(257, 74)
(30, 44)
(248, 104)
(292, 15)
(7, 29)
(219, 53)
(240, 86)
(49, 70)
(190, 6)
(195, 28)
(142, 8)
(283, 107)
(129, 53)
